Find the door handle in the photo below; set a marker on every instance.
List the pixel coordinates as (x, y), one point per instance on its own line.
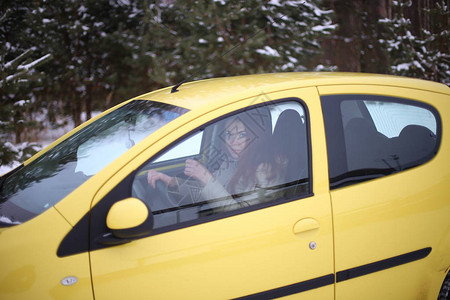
(306, 228)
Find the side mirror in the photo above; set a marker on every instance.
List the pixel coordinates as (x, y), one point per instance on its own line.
(129, 219)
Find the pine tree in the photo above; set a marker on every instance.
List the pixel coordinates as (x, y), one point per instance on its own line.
(91, 47)
(18, 79)
(424, 54)
(107, 51)
(188, 40)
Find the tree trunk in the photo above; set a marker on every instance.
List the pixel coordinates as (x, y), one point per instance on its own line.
(345, 48)
(76, 109)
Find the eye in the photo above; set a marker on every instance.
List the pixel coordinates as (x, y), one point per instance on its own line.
(228, 135)
(242, 135)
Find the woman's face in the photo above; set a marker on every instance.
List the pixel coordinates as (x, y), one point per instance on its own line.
(235, 138)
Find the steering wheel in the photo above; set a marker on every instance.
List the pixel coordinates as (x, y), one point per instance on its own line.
(163, 191)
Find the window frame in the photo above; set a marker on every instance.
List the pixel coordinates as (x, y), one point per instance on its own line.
(334, 132)
(239, 211)
(123, 190)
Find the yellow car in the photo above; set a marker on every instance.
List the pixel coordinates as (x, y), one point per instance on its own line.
(300, 185)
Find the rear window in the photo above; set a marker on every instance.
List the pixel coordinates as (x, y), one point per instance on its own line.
(372, 136)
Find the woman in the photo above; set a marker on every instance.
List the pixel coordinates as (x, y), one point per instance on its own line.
(243, 177)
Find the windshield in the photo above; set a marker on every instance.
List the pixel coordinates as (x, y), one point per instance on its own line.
(34, 188)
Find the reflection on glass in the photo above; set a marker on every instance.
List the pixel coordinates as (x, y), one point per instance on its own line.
(258, 156)
(36, 187)
(390, 117)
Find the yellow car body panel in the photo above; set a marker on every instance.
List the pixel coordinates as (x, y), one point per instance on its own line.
(229, 251)
(30, 268)
(232, 252)
(354, 228)
(394, 215)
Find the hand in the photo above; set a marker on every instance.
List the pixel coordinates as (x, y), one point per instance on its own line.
(196, 170)
(263, 174)
(153, 176)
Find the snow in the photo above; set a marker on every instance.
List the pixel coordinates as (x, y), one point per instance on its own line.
(21, 102)
(418, 65)
(287, 66)
(348, 40)
(293, 59)
(402, 67)
(323, 28)
(82, 9)
(268, 51)
(275, 3)
(33, 64)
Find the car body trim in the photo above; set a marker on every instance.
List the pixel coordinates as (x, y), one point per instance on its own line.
(382, 264)
(293, 288)
(341, 275)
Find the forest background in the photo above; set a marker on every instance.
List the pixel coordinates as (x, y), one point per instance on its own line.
(62, 61)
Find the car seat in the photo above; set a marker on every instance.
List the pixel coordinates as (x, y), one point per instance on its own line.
(289, 140)
(415, 145)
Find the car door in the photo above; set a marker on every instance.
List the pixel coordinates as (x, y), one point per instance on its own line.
(389, 189)
(278, 244)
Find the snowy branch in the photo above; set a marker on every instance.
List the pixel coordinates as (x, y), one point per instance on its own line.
(23, 69)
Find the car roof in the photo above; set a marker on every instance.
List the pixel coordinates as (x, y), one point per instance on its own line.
(217, 91)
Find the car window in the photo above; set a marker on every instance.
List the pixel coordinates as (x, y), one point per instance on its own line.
(190, 147)
(373, 136)
(67, 165)
(390, 118)
(250, 159)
